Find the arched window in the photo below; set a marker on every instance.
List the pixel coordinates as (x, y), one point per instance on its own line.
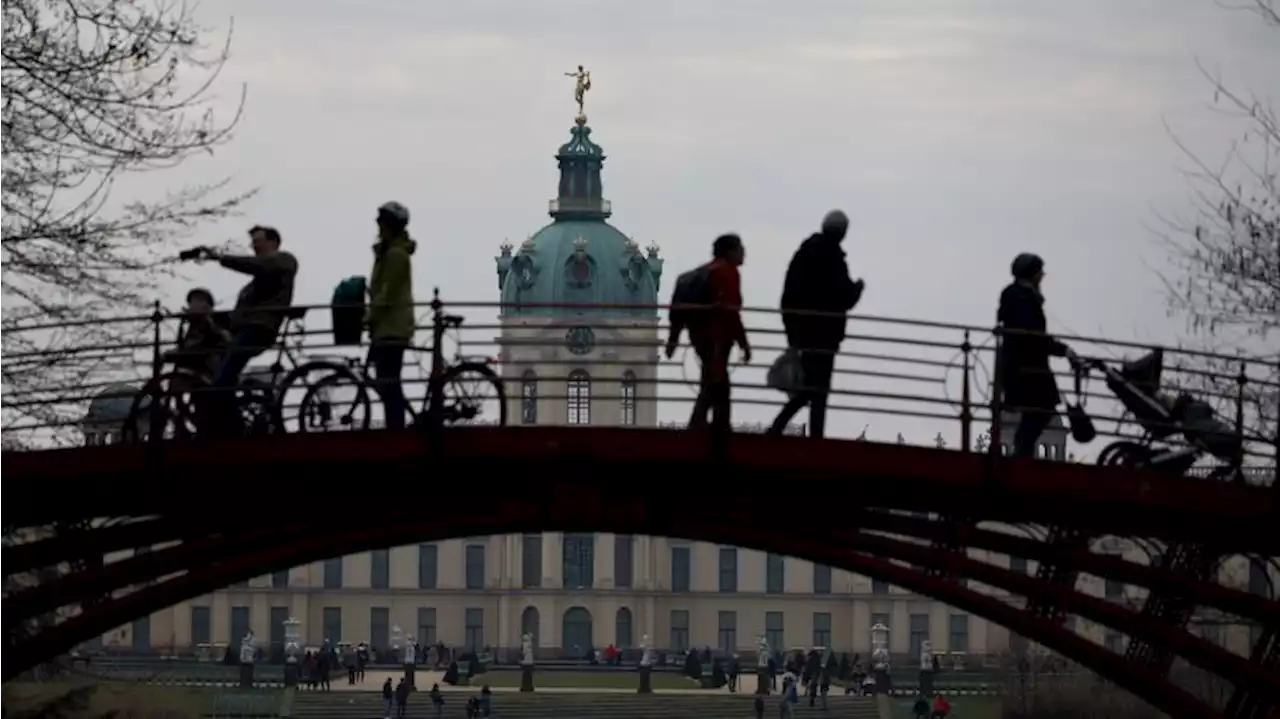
(579, 560)
(529, 625)
(577, 632)
(622, 628)
(579, 396)
(529, 398)
(628, 398)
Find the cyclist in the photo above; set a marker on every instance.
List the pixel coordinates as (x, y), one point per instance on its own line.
(261, 307)
(205, 337)
(389, 316)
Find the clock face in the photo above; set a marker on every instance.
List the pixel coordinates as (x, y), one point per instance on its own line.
(580, 340)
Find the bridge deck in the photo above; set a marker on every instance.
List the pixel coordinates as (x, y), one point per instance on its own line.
(631, 463)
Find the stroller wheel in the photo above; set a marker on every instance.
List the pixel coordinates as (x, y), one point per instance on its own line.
(1124, 454)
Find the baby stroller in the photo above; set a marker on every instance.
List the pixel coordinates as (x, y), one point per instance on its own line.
(1161, 416)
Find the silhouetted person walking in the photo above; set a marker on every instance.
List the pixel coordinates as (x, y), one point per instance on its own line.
(815, 299)
(714, 332)
(1026, 379)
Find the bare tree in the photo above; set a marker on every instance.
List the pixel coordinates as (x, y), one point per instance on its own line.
(1226, 255)
(93, 91)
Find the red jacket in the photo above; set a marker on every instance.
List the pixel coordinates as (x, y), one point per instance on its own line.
(725, 328)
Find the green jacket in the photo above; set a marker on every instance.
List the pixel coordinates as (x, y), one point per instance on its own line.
(390, 311)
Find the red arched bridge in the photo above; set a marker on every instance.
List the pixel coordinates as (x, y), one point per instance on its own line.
(571, 420)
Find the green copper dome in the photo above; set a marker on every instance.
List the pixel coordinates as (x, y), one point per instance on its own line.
(579, 259)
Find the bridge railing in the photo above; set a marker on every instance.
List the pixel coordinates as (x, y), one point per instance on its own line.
(895, 379)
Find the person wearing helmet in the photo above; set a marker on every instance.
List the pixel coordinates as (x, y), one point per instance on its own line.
(1029, 387)
(389, 315)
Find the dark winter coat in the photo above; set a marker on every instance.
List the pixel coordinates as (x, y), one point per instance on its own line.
(1025, 350)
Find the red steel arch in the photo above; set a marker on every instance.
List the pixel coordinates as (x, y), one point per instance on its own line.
(241, 559)
(316, 545)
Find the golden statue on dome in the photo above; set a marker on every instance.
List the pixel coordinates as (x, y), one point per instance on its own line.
(582, 84)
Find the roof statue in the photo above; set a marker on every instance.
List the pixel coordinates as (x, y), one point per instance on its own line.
(581, 86)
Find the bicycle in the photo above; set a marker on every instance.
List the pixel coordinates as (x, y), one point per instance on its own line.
(316, 412)
(259, 394)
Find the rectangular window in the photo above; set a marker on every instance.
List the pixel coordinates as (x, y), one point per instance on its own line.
(475, 567)
(822, 629)
(240, 625)
(1113, 589)
(1113, 641)
(821, 579)
(531, 561)
(772, 630)
(628, 399)
(201, 626)
(681, 569)
(728, 634)
(474, 636)
(679, 630)
(959, 640)
(275, 634)
(1018, 564)
(886, 621)
(333, 574)
(919, 633)
(579, 561)
(332, 621)
(141, 634)
(428, 566)
(623, 560)
(879, 587)
(775, 575)
(1259, 582)
(280, 580)
(426, 626)
(380, 570)
(380, 627)
(728, 569)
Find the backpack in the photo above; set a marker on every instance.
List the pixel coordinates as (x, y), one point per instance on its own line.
(692, 288)
(348, 311)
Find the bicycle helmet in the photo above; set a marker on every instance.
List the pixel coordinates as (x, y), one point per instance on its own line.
(1026, 266)
(395, 212)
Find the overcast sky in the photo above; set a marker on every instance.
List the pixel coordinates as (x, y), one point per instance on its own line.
(955, 133)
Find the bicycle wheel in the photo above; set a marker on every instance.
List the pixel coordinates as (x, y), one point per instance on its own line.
(174, 413)
(473, 394)
(336, 403)
(257, 404)
(293, 389)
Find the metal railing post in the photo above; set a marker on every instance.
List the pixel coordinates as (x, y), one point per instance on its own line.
(966, 399)
(155, 417)
(997, 398)
(435, 403)
(1242, 379)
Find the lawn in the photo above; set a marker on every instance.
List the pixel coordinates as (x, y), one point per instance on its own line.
(585, 680)
(134, 698)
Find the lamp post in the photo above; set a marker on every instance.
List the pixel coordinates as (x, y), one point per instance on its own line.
(292, 651)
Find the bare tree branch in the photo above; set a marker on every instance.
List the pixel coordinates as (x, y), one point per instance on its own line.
(93, 91)
(1225, 249)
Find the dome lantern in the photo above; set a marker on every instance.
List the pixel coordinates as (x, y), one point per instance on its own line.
(581, 194)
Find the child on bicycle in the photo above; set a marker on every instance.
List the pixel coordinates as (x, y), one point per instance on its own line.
(202, 341)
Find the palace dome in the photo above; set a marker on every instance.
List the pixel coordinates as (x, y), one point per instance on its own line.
(579, 258)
